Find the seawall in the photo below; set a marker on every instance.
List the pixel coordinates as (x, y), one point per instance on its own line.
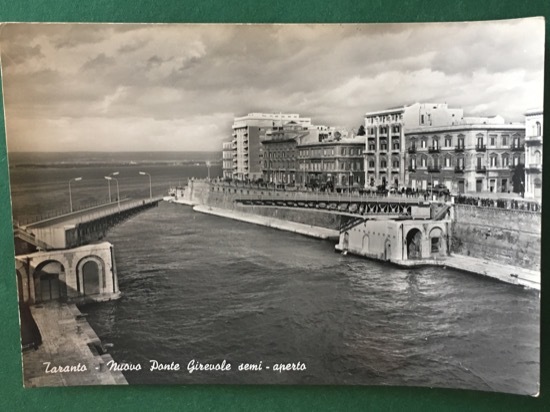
(505, 236)
(275, 223)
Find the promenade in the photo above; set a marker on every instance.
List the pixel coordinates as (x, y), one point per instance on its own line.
(67, 340)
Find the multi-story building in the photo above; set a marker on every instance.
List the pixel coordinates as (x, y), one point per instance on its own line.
(385, 131)
(227, 160)
(279, 153)
(338, 162)
(533, 153)
(246, 147)
(483, 157)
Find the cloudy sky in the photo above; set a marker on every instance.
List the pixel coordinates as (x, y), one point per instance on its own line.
(113, 87)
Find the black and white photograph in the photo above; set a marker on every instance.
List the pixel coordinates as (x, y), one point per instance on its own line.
(277, 204)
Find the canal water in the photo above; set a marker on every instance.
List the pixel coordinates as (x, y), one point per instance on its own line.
(209, 289)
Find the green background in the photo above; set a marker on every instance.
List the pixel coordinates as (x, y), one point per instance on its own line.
(14, 397)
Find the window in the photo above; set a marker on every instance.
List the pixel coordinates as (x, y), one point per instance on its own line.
(492, 140)
(516, 160)
(505, 140)
(396, 164)
(423, 162)
(383, 164)
(493, 161)
(423, 143)
(371, 163)
(461, 142)
(421, 119)
(448, 141)
(480, 141)
(505, 160)
(395, 145)
(343, 151)
(461, 162)
(447, 161)
(537, 157)
(478, 164)
(539, 129)
(383, 145)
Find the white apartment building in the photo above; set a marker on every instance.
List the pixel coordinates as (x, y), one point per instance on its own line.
(533, 153)
(246, 146)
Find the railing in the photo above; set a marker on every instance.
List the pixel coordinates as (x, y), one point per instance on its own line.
(434, 169)
(511, 204)
(93, 213)
(481, 148)
(481, 169)
(411, 149)
(459, 149)
(518, 147)
(459, 169)
(434, 149)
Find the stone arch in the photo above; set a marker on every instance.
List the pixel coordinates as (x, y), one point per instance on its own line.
(436, 240)
(414, 243)
(49, 281)
(365, 244)
(90, 275)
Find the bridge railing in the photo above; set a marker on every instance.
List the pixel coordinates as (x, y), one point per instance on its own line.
(323, 197)
(99, 211)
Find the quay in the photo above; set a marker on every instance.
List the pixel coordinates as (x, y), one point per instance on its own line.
(67, 341)
(488, 237)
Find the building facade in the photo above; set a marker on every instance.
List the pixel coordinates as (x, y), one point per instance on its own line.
(466, 158)
(246, 146)
(279, 152)
(385, 130)
(338, 163)
(533, 153)
(227, 160)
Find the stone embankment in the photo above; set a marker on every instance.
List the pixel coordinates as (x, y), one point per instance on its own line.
(71, 353)
(300, 228)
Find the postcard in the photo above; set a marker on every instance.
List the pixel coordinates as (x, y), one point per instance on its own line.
(312, 204)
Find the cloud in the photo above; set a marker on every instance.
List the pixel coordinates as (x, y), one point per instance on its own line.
(161, 87)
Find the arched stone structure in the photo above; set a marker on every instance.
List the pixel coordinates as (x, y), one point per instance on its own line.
(86, 273)
(365, 244)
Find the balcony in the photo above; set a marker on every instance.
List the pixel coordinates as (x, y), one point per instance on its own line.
(459, 149)
(434, 169)
(533, 167)
(481, 148)
(459, 169)
(412, 149)
(481, 169)
(518, 147)
(434, 149)
(533, 139)
(411, 168)
(383, 149)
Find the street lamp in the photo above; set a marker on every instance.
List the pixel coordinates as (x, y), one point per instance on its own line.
(75, 179)
(208, 167)
(109, 185)
(117, 191)
(150, 187)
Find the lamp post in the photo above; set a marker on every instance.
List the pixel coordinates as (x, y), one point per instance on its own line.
(109, 185)
(150, 187)
(75, 179)
(208, 167)
(117, 191)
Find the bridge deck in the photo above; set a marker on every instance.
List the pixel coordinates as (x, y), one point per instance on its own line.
(90, 214)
